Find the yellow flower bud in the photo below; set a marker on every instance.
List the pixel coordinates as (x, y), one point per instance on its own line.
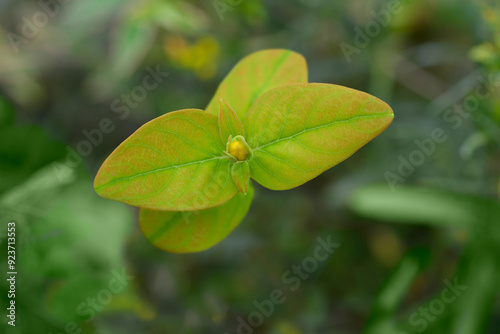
(238, 150)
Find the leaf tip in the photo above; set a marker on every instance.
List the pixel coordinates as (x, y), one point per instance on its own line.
(243, 190)
(241, 176)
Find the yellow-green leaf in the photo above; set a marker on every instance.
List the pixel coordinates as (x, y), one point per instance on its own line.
(298, 131)
(193, 231)
(256, 74)
(241, 176)
(174, 162)
(229, 123)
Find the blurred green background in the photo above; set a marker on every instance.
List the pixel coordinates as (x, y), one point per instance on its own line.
(413, 216)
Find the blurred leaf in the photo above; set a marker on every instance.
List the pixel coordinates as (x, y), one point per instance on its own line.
(298, 131)
(23, 150)
(133, 39)
(68, 242)
(178, 16)
(96, 12)
(414, 205)
(188, 231)
(254, 12)
(381, 320)
(473, 308)
(32, 197)
(472, 144)
(6, 113)
(79, 241)
(79, 232)
(479, 270)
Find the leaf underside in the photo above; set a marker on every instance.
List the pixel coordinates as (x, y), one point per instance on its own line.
(254, 75)
(174, 162)
(298, 131)
(193, 231)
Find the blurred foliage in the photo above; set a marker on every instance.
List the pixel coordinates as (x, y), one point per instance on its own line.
(397, 248)
(487, 53)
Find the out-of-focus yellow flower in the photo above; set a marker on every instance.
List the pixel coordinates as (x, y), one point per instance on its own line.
(285, 328)
(484, 53)
(458, 235)
(201, 56)
(386, 246)
(491, 15)
(131, 302)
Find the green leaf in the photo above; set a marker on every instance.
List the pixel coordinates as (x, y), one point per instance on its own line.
(229, 123)
(132, 40)
(256, 74)
(174, 162)
(186, 232)
(396, 286)
(415, 205)
(176, 16)
(97, 13)
(6, 113)
(23, 150)
(241, 176)
(298, 131)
